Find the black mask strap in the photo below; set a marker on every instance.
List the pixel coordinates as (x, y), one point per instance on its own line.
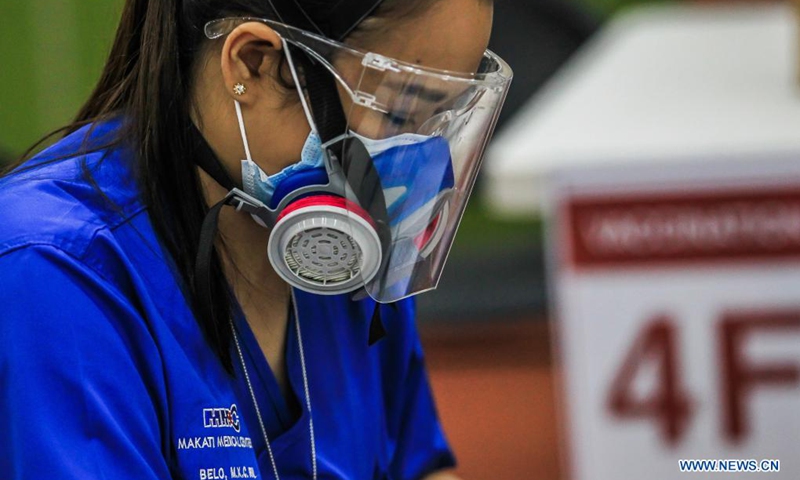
(209, 163)
(207, 160)
(202, 265)
(376, 328)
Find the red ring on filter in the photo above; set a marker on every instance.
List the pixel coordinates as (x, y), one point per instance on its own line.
(326, 200)
(325, 244)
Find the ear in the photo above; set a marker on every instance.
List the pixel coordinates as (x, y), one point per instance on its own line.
(249, 56)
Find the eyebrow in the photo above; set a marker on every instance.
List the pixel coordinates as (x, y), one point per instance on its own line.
(427, 94)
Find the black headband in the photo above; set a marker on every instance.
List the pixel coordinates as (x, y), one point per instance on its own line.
(333, 19)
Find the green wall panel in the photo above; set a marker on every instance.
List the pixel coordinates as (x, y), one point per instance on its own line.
(51, 53)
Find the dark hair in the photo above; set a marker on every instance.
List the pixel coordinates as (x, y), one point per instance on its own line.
(147, 80)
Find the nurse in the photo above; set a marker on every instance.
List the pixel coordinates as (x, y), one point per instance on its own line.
(209, 275)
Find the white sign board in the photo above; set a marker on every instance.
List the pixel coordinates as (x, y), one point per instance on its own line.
(677, 294)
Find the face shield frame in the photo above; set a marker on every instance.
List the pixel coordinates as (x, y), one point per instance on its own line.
(321, 48)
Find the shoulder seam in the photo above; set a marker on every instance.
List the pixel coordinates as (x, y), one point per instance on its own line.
(32, 241)
(79, 259)
(128, 216)
(23, 243)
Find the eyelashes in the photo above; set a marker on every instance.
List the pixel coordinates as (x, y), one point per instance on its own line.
(397, 119)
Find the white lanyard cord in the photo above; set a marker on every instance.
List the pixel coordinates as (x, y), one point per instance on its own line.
(307, 390)
(305, 387)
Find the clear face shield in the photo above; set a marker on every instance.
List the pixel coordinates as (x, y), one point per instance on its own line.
(408, 157)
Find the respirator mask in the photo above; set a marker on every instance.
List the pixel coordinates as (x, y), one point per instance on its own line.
(384, 177)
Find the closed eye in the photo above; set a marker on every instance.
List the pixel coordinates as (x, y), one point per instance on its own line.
(397, 120)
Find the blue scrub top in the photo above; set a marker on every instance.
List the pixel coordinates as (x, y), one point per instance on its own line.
(105, 372)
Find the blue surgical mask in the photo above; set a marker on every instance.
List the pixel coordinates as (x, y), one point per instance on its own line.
(259, 184)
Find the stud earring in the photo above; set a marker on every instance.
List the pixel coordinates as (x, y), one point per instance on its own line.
(239, 89)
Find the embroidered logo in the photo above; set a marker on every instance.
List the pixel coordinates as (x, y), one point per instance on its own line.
(221, 417)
